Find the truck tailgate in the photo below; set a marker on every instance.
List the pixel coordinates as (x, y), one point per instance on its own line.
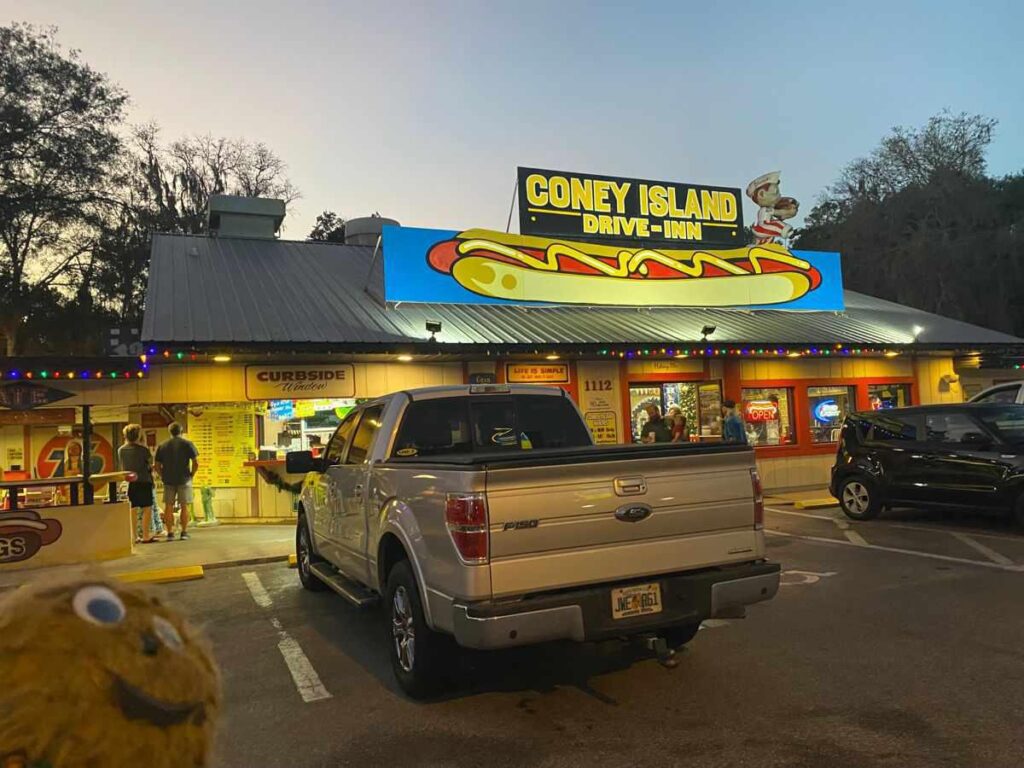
(553, 527)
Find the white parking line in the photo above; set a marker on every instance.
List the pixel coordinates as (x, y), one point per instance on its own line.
(940, 529)
(991, 554)
(256, 589)
(307, 681)
(897, 550)
(851, 535)
(799, 514)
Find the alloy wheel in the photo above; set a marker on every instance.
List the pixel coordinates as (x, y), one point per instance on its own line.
(856, 497)
(304, 557)
(402, 629)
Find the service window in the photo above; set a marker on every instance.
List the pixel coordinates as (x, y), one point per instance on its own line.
(768, 416)
(369, 426)
(885, 396)
(950, 427)
(829, 406)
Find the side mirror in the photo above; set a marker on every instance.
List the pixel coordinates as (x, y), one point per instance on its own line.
(301, 462)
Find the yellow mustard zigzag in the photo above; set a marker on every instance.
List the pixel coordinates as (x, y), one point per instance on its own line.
(634, 262)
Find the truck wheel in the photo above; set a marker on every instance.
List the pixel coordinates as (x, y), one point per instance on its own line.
(306, 557)
(859, 498)
(418, 654)
(677, 637)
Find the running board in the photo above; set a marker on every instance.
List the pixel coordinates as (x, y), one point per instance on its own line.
(355, 593)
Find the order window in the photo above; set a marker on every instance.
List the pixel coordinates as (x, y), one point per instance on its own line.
(885, 396)
(768, 416)
(829, 406)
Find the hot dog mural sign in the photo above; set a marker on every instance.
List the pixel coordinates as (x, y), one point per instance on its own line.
(479, 266)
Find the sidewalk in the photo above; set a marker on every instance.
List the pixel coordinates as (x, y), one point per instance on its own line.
(208, 547)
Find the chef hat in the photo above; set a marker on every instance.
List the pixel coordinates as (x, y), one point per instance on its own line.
(760, 181)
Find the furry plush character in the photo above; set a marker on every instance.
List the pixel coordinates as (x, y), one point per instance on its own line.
(96, 673)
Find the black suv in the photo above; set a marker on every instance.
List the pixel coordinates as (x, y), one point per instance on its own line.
(966, 455)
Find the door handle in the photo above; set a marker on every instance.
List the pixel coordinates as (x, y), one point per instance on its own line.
(630, 486)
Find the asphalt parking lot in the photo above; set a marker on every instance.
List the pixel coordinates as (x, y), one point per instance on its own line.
(891, 643)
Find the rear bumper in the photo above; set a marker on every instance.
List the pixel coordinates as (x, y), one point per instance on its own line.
(586, 613)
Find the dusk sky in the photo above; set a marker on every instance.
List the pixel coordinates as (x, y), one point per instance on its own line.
(423, 110)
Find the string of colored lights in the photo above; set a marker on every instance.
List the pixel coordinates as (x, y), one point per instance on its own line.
(19, 374)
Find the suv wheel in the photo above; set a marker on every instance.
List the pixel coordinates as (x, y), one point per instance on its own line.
(859, 499)
(419, 655)
(306, 557)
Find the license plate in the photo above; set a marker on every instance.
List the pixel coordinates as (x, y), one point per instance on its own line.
(636, 600)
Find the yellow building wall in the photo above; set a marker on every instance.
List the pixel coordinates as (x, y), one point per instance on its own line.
(795, 471)
(821, 368)
(929, 373)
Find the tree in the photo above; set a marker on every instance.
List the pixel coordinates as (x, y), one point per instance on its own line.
(329, 228)
(167, 188)
(177, 180)
(58, 134)
(919, 222)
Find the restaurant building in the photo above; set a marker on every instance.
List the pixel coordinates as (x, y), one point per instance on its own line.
(260, 345)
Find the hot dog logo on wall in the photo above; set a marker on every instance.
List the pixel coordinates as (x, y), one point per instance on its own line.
(479, 266)
(23, 533)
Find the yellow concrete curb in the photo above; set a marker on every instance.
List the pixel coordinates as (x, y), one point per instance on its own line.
(825, 501)
(293, 561)
(163, 575)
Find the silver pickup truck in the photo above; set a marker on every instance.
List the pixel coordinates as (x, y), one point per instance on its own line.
(486, 514)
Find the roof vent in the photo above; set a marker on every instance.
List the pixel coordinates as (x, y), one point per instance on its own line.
(236, 216)
(367, 230)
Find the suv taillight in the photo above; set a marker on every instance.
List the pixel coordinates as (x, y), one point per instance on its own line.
(755, 483)
(466, 517)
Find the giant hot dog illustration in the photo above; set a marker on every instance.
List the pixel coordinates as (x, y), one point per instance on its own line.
(519, 268)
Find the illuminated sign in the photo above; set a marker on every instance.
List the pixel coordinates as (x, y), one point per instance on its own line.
(483, 267)
(762, 410)
(535, 373)
(297, 382)
(827, 410)
(589, 207)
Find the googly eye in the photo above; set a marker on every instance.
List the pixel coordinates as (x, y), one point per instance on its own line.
(98, 605)
(168, 635)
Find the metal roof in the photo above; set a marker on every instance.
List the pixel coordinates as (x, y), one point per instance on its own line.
(237, 291)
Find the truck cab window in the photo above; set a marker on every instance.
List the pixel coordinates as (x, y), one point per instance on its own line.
(369, 426)
(336, 448)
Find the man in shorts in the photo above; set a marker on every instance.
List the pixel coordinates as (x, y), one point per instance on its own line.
(177, 461)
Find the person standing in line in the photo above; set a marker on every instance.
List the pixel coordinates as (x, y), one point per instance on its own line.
(177, 461)
(732, 424)
(135, 457)
(656, 430)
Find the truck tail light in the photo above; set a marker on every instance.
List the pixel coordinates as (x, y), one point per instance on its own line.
(466, 517)
(755, 484)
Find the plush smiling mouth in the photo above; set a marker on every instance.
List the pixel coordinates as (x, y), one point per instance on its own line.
(136, 704)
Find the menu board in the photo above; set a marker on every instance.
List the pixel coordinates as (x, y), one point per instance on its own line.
(225, 436)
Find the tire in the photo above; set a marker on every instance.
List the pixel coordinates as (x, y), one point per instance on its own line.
(420, 657)
(859, 498)
(306, 557)
(677, 637)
